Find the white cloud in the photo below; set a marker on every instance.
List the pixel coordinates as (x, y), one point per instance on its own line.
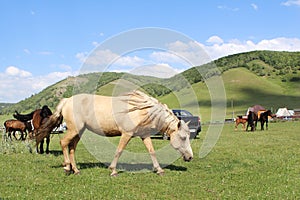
(161, 70)
(291, 3)
(254, 6)
(22, 84)
(45, 53)
(103, 60)
(182, 55)
(215, 40)
(237, 46)
(65, 67)
(192, 52)
(167, 57)
(27, 51)
(14, 71)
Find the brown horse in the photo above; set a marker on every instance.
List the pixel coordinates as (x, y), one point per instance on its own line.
(12, 125)
(38, 117)
(129, 115)
(252, 121)
(241, 120)
(263, 118)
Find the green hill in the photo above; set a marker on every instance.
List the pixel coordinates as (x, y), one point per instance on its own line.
(243, 89)
(269, 78)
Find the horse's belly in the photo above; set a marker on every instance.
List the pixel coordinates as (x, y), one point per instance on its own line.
(104, 128)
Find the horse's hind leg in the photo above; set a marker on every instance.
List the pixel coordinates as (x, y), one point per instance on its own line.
(23, 135)
(9, 135)
(14, 134)
(68, 144)
(125, 138)
(236, 125)
(148, 143)
(72, 148)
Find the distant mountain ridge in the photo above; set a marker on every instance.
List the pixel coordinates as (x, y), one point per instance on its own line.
(281, 67)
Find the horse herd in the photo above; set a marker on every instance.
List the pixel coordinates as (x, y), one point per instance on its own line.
(252, 118)
(29, 123)
(133, 114)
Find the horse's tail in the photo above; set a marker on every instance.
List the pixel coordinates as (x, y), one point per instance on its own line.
(53, 121)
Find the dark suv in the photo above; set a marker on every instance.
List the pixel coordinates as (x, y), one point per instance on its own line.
(194, 123)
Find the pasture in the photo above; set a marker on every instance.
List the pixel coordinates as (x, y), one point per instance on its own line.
(242, 165)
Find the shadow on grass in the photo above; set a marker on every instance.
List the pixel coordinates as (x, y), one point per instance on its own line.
(125, 166)
(56, 152)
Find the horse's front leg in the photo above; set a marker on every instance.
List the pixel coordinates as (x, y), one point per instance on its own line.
(125, 138)
(41, 148)
(47, 144)
(148, 143)
(266, 125)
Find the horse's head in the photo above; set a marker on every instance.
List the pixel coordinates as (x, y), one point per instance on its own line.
(270, 113)
(180, 140)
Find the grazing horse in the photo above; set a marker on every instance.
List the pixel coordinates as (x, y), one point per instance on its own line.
(241, 120)
(264, 118)
(128, 115)
(13, 125)
(38, 117)
(252, 120)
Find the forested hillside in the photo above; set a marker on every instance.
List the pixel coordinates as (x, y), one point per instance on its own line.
(283, 67)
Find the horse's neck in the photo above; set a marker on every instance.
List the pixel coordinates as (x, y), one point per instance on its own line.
(171, 127)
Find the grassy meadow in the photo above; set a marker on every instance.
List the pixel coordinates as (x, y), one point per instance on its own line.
(242, 165)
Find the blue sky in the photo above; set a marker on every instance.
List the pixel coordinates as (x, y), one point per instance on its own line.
(43, 42)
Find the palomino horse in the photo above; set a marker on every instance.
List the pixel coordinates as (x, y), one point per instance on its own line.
(129, 115)
(252, 120)
(263, 118)
(241, 120)
(13, 125)
(38, 117)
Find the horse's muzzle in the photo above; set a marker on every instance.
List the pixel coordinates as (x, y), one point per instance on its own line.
(187, 159)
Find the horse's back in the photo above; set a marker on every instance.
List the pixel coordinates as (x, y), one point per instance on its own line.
(104, 115)
(89, 111)
(13, 123)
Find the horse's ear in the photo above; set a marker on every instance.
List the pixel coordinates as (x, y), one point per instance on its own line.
(179, 124)
(187, 123)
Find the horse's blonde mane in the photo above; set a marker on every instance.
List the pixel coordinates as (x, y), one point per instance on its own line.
(156, 111)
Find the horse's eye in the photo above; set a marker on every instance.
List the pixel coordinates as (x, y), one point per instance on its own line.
(183, 137)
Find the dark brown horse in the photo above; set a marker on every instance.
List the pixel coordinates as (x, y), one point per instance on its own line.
(12, 125)
(252, 120)
(38, 117)
(241, 120)
(264, 118)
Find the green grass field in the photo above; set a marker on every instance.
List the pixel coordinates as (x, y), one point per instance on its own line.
(242, 165)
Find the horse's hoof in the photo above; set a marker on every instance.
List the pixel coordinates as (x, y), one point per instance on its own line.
(77, 173)
(68, 172)
(160, 173)
(114, 174)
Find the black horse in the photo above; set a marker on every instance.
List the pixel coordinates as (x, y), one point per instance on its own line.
(264, 118)
(252, 120)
